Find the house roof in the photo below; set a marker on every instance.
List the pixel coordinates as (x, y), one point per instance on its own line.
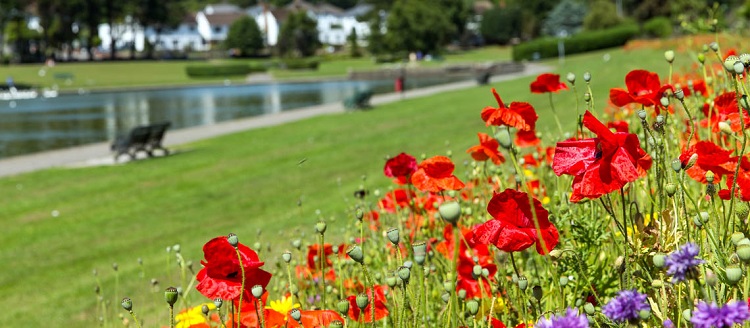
(359, 10)
(224, 18)
(481, 6)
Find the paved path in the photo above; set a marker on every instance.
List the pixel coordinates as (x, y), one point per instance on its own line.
(98, 153)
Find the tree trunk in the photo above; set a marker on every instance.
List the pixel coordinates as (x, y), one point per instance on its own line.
(111, 21)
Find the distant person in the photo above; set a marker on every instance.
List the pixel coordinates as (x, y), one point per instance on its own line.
(9, 82)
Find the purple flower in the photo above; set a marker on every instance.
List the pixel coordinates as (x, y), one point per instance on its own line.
(626, 306)
(683, 261)
(668, 324)
(571, 319)
(711, 315)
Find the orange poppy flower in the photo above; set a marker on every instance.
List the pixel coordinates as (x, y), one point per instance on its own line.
(519, 115)
(435, 175)
(486, 149)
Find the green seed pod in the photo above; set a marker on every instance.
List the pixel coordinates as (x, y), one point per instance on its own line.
(391, 281)
(461, 294)
(571, 78)
(659, 260)
(448, 286)
(745, 59)
(359, 214)
(742, 210)
(644, 314)
(701, 58)
(362, 301)
(739, 67)
(679, 94)
(687, 315)
(734, 274)
(218, 302)
(404, 273)
(296, 243)
(587, 77)
(586, 97)
(563, 281)
(589, 308)
(393, 235)
(743, 252)
(522, 282)
(485, 273)
(691, 161)
(336, 324)
(744, 102)
(642, 114)
(419, 247)
(743, 241)
(709, 176)
(343, 307)
(736, 237)
(657, 283)
(256, 246)
(127, 304)
(205, 309)
(669, 56)
(472, 306)
(714, 46)
(355, 252)
(257, 291)
(676, 165)
(170, 295)
(287, 256)
(476, 271)
(729, 63)
(320, 227)
(671, 189)
(446, 297)
(450, 212)
(233, 240)
(664, 102)
(503, 137)
(537, 292)
(296, 314)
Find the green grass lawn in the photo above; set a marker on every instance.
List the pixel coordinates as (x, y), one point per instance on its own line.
(113, 75)
(243, 183)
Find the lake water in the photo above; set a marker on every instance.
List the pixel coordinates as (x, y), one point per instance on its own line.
(33, 125)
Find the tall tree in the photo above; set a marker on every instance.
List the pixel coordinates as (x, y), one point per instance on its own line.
(299, 36)
(416, 25)
(159, 14)
(114, 10)
(245, 37)
(92, 17)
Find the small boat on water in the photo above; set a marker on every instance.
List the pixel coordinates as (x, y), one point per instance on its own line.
(15, 94)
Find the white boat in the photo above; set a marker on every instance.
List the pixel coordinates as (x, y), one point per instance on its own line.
(15, 94)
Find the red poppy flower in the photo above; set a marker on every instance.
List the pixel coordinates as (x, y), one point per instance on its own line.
(526, 138)
(547, 83)
(730, 52)
(519, 115)
(710, 158)
(643, 88)
(468, 251)
(512, 228)
(603, 164)
(435, 175)
(725, 109)
(486, 149)
(619, 126)
(398, 198)
(221, 275)
(314, 250)
(275, 319)
(381, 311)
(400, 167)
(699, 86)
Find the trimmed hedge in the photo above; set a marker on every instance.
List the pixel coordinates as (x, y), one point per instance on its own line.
(658, 27)
(581, 42)
(300, 63)
(221, 70)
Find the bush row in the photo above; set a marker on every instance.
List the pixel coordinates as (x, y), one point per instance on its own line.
(581, 42)
(222, 70)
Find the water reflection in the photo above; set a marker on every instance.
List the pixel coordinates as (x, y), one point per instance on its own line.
(33, 125)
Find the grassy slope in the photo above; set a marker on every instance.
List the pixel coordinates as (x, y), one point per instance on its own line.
(237, 183)
(158, 73)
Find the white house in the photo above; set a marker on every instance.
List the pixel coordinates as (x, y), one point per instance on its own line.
(334, 24)
(267, 23)
(184, 37)
(214, 21)
(125, 34)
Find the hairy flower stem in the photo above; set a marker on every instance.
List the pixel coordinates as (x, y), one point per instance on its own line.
(321, 260)
(171, 316)
(371, 282)
(627, 241)
(456, 247)
(259, 313)
(742, 153)
(135, 319)
(554, 113)
(289, 276)
(242, 290)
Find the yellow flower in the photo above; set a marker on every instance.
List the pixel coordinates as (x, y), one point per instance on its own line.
(193, 316)
(283, 306)
(545, 200)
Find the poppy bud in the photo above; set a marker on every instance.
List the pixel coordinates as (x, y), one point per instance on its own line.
(170, 295)
(218, 302)
(359, 214)
(742, 211)
(589, 308)
(296, 243)
(586, 97)
(355, 252)
(205, 309)
(320, 227)
(287, 256)
(537, 292)
(743, 241)
(462, 294)
(744, 102)
(563, 281)
(679, 94)
(714, 46)
(729, 63)
(473, 307)
(391, 281)
(233, 240)
(343, 307)
(657, 283)
(256, 246)
(709, 176)
(408, 264)
(701, 58)
(446, 297)
(736, 237)
(671, 189)
(404, 273)
(420, 251)
(522, 282)
(587, 77)
(676, 165)
(127, 304)
(362, 301)
(743, 252)
(739, 67)
(711, 278)
(687, 314)
(734, 274)
(664, 101)
(114, 266)
(669, 56)
(257, 291)
(503, 138)
(659, 260)
(691, 161)
(745, 59)
(393, 235)
(450, 212)
(571, 78)
(176, 248)
(642, 114)
(644, 314)
(449, 153)
(485, 273)
(295, 314)
(448, 286)
(476, 271)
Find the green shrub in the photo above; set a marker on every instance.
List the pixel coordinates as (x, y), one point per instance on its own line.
(500, 25)
(222, 70)
(658, 27)
(581, 42)
(603, 15)
(299, 63)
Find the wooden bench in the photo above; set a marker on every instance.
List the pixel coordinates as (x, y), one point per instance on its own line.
(360, 100)
(144, 138)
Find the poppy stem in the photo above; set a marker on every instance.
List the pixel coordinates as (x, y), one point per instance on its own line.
(242, 290)
(259, 314)
(554, 113)
(732, 196)
(513, 262)
(171, 316)
(137, 323)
